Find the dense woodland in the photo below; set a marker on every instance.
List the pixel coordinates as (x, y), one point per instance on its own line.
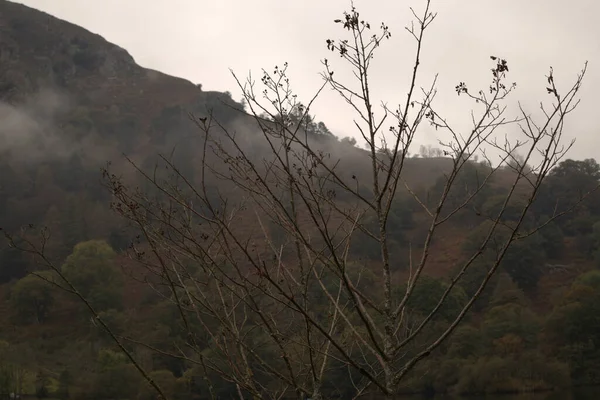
(536, 327)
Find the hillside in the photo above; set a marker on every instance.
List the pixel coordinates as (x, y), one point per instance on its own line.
(70, 102)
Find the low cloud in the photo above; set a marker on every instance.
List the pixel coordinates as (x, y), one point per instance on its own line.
(29, 132)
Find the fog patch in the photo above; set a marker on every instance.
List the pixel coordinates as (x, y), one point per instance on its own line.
(30, 132)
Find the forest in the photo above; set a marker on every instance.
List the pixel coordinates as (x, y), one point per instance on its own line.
(535, 327)
(161, 241)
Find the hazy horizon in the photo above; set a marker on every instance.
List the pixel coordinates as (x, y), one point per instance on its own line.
(201, 41)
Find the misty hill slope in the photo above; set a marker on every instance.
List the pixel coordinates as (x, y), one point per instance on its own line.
(39, 52)
(71, 101)
(95, 85)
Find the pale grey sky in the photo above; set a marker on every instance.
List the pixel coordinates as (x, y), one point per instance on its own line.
(200, 40)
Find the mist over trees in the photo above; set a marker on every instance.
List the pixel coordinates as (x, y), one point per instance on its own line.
(259, 255)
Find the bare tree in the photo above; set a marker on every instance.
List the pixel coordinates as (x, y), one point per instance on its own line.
(257, 254)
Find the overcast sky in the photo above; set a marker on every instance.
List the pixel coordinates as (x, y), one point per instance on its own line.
(201, 40)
